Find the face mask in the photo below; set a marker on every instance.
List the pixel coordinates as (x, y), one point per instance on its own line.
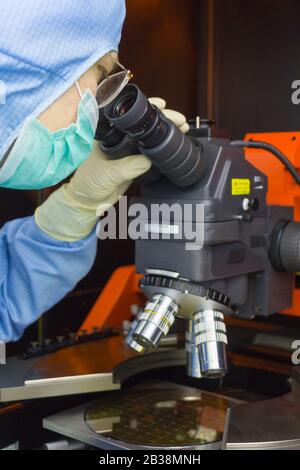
(41, 158)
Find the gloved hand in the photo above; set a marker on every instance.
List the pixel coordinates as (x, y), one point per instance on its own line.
(71, 212)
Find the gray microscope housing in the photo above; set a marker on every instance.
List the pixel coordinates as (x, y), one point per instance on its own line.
(237, 230)
(235, 271)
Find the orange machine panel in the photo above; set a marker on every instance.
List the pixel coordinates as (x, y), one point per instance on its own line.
(282, 189)
(114, 303)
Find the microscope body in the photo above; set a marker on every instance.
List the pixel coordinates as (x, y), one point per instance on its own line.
(243, 252)
(230, 273)
(237, 227)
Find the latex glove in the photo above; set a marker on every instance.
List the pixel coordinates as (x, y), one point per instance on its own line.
(72, 211)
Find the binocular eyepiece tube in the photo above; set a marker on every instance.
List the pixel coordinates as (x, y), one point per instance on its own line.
(131, 124)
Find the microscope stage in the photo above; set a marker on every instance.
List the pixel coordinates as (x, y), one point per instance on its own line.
(166, 416)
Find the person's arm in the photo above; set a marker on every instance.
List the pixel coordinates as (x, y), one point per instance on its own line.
(36, 272)
(43, 257)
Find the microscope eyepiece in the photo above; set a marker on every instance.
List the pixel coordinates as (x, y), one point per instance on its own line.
(125, 105)
(132, 113)
(131, 124)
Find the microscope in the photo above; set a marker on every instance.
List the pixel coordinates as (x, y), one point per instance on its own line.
(249, 251)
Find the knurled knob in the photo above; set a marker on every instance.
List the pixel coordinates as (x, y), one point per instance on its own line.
(290, 247)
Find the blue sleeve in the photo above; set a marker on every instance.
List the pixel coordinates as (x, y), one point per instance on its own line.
(36, 272)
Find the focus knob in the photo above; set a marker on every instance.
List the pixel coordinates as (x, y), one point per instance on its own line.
(290, 247)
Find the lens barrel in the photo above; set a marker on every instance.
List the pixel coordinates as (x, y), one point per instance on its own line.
(211, 341)
(106, 132)
(192, 352)
(155, 321)
(131, 342)
(158, 138)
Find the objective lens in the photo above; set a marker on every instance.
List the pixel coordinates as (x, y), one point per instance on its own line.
(131, 342)
(192, 354)
(155, 321)
(211, 341)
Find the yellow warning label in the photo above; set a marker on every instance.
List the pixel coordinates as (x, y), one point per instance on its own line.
(240, 186)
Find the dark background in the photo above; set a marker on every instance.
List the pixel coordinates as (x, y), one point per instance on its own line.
(230, 60)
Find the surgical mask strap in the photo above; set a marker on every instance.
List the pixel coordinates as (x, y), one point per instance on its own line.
(78, 89)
